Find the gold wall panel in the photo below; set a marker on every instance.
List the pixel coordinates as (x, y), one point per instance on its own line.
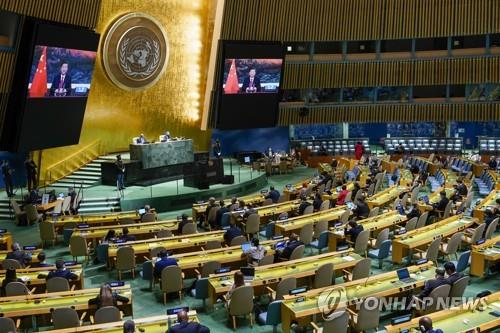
(316, 20)
(392, 73)
(83, 13)
(174, 102)
(390, 113)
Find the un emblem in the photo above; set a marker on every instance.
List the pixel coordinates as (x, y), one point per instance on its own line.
(135, 51)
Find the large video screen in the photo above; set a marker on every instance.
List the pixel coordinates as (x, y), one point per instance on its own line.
(60, 72)
(52, 81)
(249, 91)
(251, 76)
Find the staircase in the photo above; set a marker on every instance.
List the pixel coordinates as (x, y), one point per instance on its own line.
(88, 175)
(5, 211)
(99, 205)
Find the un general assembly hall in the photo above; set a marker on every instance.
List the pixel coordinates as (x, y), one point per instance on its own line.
(267, 166)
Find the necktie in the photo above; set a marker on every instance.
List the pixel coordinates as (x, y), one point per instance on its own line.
(61, 82)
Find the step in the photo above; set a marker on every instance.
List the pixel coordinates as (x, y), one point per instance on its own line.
(96, 210)
(99, 204)
(87, 173)
(83, 177)
(88, 168)
(96, 165)
(98, 199)
(6, 216)
(59, 184)
(76, 181)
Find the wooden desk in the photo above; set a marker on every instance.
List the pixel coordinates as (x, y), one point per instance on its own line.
(294, 224)
(291, 192)
(406, 178)
(48, 206)
(145, 230)
(42, 304)
(199, 209)
(434, 198)
(488, 201)
(270, 212)
(389, 166)
(381, 285)
(6, 241)
(228, 256)
(452, 320)
(335, 194)
(155, 324)
(386, 196)
(403, 245)
(483, 254)
(31, 279)
(270, 275)
(96, 220)
(374, 224)
(185, 243)
(34, 254)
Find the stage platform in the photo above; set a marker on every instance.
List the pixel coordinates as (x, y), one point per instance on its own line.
(173, 195)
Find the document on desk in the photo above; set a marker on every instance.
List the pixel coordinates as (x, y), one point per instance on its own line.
(348, 258)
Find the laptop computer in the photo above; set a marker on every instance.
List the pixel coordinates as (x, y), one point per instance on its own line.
(248, 273)
(280, 245)
(245, 247)
(142, 211)
(404, 276)
(350, 205)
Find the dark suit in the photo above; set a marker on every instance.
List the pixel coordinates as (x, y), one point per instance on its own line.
(362, 209)
(188, 327)
(22, 257)
(354, 232)
(430, 285)
(231, 233)
(274, 195)
(64, 273)
(454, 277)
(462, 189)
(303, 206)
(181, 225)
(246, 84)
(287, 251)
(161, 264)
(56, 83)
(441, 204)
(219, 214)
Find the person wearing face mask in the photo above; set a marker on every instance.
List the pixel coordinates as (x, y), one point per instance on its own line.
(425, 326)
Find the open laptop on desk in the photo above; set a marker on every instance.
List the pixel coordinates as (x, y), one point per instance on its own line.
(248, 273)
(245, 247)
(404, 276)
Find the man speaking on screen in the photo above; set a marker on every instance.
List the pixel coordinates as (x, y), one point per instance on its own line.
(251, 84)
(61, 84)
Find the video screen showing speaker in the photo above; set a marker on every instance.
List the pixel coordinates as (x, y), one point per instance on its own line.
(60, 72)
(249, 92)
(52, 80)
(252, 76)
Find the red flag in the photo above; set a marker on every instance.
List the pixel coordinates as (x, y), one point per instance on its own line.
(39, 83)
(232, 80)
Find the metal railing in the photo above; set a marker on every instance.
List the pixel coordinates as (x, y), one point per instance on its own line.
(72, 163)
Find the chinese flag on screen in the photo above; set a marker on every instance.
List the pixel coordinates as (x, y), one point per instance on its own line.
(39, 83)
(232, 80)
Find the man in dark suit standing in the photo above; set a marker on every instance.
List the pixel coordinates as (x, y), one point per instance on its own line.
(30, 166)
(61, 84)
(251, 84)
(186, 326)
